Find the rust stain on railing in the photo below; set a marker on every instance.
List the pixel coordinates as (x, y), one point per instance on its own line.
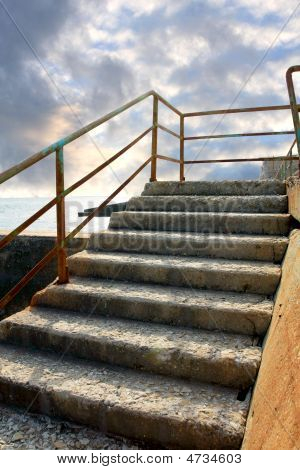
(61, 192)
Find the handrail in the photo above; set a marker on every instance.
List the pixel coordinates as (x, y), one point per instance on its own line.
(14, 170)
(50, 255)
(246, 134)
(61, 192)
(163, 128)
(254, 159)
(4, 241)
(239, 110)
(294, 105)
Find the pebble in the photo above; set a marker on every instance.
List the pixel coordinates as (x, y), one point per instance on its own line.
(17, 437)
(84, 441)
(30, 431)
(59, 445)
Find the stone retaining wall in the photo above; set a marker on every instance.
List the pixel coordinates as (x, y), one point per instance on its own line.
(274, 420)
(17, 258)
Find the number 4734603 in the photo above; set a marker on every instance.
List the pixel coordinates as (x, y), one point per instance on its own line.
(214, 458)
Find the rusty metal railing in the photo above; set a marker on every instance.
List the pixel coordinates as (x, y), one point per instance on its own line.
(57, 148)
(286, 168)
(61, 192)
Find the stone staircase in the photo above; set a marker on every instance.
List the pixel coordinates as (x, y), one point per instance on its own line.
(157, 335)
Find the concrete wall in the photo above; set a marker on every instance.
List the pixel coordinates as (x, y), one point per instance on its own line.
(274, 417)
(278, 169)
(17, 258)
(293, 192)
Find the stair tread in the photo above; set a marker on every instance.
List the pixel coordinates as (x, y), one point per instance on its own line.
(232, 187)
(250, 238)
(215, 357)
(187, 203)
(150, 335)
(213, 310)
(236, 215)
(111, 398)
(203, 222)
(175, 295)
(180, 262)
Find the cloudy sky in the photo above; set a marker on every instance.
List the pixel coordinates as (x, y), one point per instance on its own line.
(65, 63)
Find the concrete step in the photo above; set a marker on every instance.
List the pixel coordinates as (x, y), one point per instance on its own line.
(213, 357)
(243, 204)
(227, 275)
(264, 248)
(174, 413)
(220, 188)
(203, 222)
(211, 310)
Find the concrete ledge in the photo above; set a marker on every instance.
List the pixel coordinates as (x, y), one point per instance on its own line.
(17, 258)
(274, 420)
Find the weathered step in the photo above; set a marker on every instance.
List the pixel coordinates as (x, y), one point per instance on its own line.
(227, 311)
(221, 188)
(264, 248)
(239, 276)
(213, 357)
(171, 412)
(245, 204)
(203, 222)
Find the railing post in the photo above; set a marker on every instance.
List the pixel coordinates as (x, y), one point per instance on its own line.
(182, 178)
(154, 138)
(63, 275)
(294, 106)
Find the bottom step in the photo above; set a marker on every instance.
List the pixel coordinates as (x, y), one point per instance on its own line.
(172, 412)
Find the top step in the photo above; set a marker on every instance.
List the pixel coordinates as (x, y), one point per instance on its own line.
(218, 188)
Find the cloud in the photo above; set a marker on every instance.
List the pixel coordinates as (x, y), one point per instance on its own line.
(198, 54)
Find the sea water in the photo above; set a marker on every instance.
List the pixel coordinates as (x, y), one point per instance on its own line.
(14, 211)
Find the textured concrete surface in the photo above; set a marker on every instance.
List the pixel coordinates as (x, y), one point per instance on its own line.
(233, 312)
(203, 273)
(192, 317)
(212, 357)
(203, 222)
(293, 191)
(247, 247)
(172, 412)
(30, 431)
(17, 258)
(274, 417)
(207, 188)
(245, 204)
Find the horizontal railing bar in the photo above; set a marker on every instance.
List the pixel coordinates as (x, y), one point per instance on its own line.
(6, 175)
(8, 238)
(247, 134)
(103, 165)
(104, 204)
(169, 159)
(231, 160)
(239, 110)
(166, 103)
(25, 279)
(163, 128)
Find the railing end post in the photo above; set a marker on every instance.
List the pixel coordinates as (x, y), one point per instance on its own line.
(154, 138)
(62, 267)
(181, 175)
(63, 271)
